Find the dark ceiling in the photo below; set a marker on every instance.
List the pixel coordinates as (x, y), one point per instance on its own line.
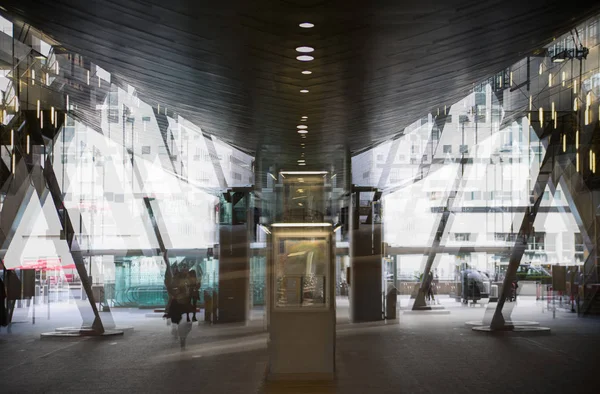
(231, 68)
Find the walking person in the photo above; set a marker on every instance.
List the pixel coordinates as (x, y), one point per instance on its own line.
(194, 289)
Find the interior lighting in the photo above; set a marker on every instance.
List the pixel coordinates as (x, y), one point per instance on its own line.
(511, 78)
(304, 91)
(445, 110)
(588, 99)
(306, 25)
(530, 103)
(552, 113)
(52, 115)
(56, 67)
(549, 79)
(541, 68)
(67, 102)
(301, 164)
(306, 72)
(541, 116)
(32, 77)
(587, 116)
(337, 228)
(47, 79)
(305, 117)
(38, 109)
(305, 58)
(301, 161)
(577, 139)
(305, 49)
(575, 105)
(575, 87)
(302, 126)
(12, 139)
(564, 78)
(555, 120)
(13, 163)
(301, 224)
(88, 77)
(303, 172)
(564, 143)
(301, 131)
(41, 120)
(590, 159)
(28, 145)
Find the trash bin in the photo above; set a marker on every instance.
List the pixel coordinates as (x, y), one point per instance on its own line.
(390, 303)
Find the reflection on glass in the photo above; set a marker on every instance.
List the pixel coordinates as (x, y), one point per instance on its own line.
(301, 272)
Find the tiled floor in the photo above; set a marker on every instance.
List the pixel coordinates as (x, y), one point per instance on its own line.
(415, 354)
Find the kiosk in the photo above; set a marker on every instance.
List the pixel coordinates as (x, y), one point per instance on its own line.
(301, 307)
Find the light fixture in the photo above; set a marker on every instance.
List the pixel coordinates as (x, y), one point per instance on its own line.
(302, 144)
(301, 164)
(16, 104)
(552, 113)
(302, 131)
(549, 79)
(511, 78)
(303, 172)
(575, 107)
(302, 126)
(27, 143)
(67, 102)
(586, 116)
(575, 87)
(306, 25)
(52, 115)
(306, 72)
(41, 119)
(301, 161)
(272, 176)
(564, 142)
(305, 117)
(304, 91)
(56, 67)
(32, 77)
(303, 120)
(38, 109)
(13, 163)
(337, 228)
(555, 120)
(88, 77)
(577, 139)
(541, 116)
(530, 103)
(564, 78)
(541, 68)
(305, 49)
(305, 58)
(47, 79)
(588, 99)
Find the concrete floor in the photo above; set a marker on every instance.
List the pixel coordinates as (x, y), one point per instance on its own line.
(414, 354)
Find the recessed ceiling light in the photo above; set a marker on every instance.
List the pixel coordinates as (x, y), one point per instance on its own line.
(305, 58)
(301, 161)
(301, 164)
(305, 49)
(306, 25)
(302, 120)
(302, 131)
(306, 72)
(304, 91)
(305, 117)
(302, 126)
(303, 144)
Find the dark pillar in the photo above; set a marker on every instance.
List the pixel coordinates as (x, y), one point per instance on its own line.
(234, 265)
(366, 299)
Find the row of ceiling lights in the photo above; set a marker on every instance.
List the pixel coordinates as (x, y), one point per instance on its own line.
(304, 57)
